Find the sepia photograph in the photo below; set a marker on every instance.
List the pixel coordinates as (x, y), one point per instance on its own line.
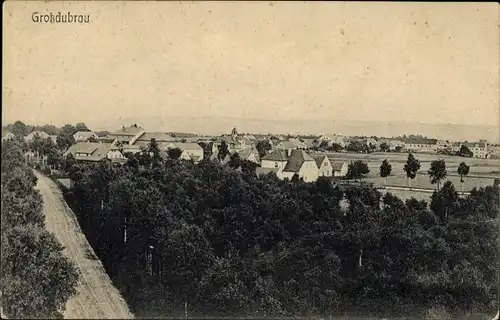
(250, 160)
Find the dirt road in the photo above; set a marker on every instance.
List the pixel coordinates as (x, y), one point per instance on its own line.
(97, 298)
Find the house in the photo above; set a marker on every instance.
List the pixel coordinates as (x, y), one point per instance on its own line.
(286, 145)
(287, 164)
(7, 135)
(421, 145)
(250, 155)
(443, 145)
(340, 140)
(479, 149)
(93, 151)
(276, 159)
(303, 165)
(235, 142)
(107, 139)
(143, 139)
(324, 166)
(372, 142)
(298, 143)
(340, 169)
(395, 144)
(31, 136)
(190, 150)
(125, 134)
(82, 136)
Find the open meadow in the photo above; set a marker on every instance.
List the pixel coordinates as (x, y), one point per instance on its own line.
(482, 171)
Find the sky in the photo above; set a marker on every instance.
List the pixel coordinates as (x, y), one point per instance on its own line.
(435, 63)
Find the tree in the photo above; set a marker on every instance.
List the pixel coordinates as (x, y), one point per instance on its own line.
(54, 159)
(80, 126)
(385, 170)
(437, 172)
(37, 278)
(248, 167)
(335, 147)
(64, 141)
(174, 153)
(384, 147)
(463, 171)
(235, 161)
(465, 151)
(411, 167)
(207, 149)
(398, 149)
(19, 129)
(263, 146)
(223, 151)
(357, 169)
(323, 145)
(69, 130)
(154, 149)
(92, 139)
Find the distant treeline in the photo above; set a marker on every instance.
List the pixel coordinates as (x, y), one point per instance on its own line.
(37, 279)
(213, 240)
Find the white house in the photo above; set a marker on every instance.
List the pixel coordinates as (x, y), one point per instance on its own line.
(286, 164)
(81, 136)
(190, 150)
(324, 166)
(479, 149)
(340, 169)
(275, 160)
(303, 165)
(420, 146)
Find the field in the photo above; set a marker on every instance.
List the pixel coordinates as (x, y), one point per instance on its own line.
(482, 171)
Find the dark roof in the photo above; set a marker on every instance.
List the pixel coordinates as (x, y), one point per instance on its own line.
(276, 155)
(319, 159)
(296, 160)
(337, 166)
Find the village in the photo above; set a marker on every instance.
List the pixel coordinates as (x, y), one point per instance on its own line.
(307, 157)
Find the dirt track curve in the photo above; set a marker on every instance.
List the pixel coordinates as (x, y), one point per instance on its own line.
(97, 298)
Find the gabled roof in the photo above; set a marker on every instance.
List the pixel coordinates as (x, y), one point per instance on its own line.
(99, 150)
(85, 134)
(287, 144)
(82, 147)
(158, 136)
(296, 160)
(276, 155)
(319, 159)
(337, 166)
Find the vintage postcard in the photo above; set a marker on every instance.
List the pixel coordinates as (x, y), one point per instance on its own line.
(250, 160)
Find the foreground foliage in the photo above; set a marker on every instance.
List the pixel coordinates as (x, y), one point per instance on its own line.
(221, 241)
(37, 280)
